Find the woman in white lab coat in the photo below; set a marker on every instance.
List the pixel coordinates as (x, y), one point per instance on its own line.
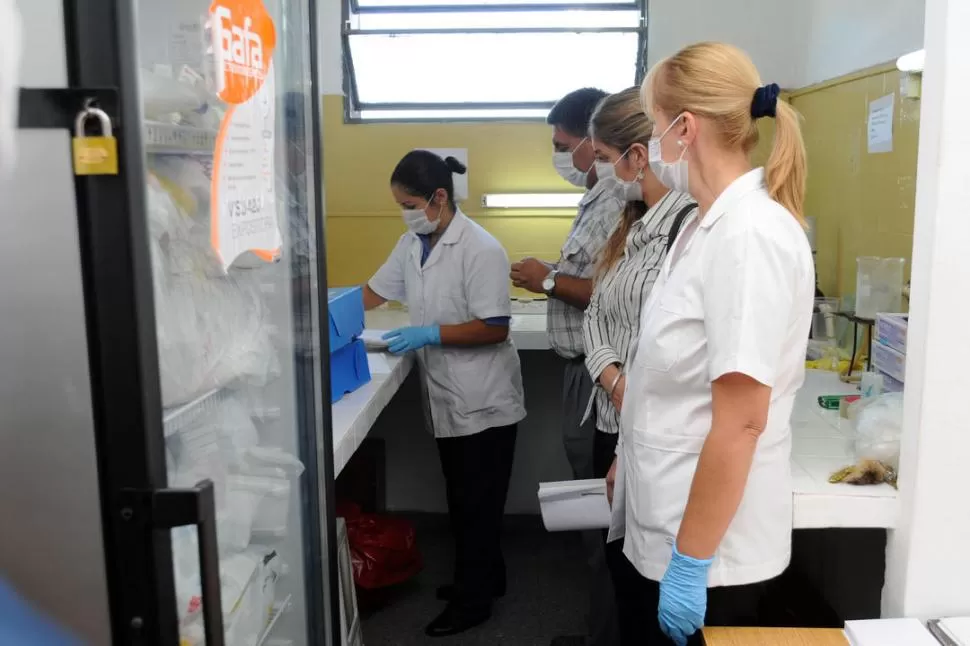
(453, 276)
(702, 480)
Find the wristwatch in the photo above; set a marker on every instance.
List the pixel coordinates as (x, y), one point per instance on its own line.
(549, 282)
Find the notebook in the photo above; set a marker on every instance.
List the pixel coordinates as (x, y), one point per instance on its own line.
(952, 631)
(888, 632)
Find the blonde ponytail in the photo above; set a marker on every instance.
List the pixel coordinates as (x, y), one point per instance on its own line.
(719, 82)
(786, 171)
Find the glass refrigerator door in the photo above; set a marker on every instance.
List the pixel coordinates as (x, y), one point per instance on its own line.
(226, 107)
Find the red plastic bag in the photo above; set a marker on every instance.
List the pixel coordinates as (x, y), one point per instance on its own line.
(383, 550)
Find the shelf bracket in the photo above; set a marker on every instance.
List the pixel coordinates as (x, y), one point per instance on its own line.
(56, 108)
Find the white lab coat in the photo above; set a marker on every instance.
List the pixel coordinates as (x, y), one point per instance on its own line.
(466, 389)
(734, 295)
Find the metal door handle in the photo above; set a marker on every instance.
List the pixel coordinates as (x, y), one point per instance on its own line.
(197, 506)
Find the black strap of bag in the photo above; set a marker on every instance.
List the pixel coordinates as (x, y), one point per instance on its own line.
(678, 222)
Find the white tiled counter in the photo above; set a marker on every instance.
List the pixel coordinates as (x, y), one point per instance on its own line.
(355, 413)
(821, 443)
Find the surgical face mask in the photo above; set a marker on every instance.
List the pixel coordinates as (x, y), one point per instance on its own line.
(605, 170)
(626, 190)
(673, 175)
(564, 165)
(417, 221)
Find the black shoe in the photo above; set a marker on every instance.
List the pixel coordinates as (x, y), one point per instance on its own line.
(455, 620)
(447, 592)
(568, 640)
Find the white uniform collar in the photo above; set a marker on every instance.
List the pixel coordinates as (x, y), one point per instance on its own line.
(453, 233)
(751, 181)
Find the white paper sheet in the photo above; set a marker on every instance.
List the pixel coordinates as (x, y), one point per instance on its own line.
(574, 505)
(881, 124)
(888, 632)
(373, 339)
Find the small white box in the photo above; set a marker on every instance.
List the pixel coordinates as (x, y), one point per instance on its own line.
(891, 330)
(888, 361)
(888, 632)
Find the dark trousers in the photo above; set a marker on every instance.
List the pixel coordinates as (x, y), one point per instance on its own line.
(585, 450)
(477, 469)
(638, 598)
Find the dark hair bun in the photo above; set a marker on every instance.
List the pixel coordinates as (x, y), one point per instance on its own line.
(455, 166)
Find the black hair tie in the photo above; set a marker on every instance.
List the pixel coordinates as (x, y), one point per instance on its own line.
(765, 102)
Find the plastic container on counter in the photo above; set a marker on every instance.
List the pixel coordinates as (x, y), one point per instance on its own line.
(879, 285)
(891, 330)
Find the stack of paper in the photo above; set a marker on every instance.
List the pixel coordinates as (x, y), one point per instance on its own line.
(574, 505)
(952, 631)
(374, 339)
(888, 632)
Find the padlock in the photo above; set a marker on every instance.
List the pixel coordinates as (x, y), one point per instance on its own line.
(94, 155)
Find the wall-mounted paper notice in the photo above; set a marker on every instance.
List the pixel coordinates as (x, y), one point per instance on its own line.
(461, 181)
(881, 124)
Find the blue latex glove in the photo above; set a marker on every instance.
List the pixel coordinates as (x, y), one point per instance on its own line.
(683, 597)
(407, 339)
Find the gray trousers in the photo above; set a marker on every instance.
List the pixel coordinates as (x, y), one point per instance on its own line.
(578, 438)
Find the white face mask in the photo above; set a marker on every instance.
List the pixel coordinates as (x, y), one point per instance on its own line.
(630, 191)
(626, 190)
(673, 175)
(563, 162)
(417, 220)
(605, 170)
(10, 52)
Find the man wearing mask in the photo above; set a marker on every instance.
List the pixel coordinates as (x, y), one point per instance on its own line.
(568, 284)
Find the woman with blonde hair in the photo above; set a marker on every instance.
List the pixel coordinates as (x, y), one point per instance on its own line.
(703, 482)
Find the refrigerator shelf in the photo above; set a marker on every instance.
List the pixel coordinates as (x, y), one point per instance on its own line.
(178, 417)
(169, 139)
(278, 610)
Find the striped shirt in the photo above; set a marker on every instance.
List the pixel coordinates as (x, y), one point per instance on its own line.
(612, 320)
(599, 211)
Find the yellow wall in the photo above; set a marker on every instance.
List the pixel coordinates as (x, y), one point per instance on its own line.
(863, 203)
(363, 222)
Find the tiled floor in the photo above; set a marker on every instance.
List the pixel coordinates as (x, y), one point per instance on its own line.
(546, 595)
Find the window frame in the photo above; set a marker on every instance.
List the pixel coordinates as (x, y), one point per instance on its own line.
(353, 107)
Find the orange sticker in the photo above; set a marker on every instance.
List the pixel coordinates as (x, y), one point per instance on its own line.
(243, 40)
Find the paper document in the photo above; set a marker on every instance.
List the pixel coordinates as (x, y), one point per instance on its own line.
(574, 505)
(373, 339)
(881, 124)
(888, 632)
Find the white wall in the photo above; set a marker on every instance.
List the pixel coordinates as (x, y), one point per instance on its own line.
(927, 565)
(842, 36)
(766, 29)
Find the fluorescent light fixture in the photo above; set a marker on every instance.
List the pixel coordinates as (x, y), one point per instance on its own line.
(912, 62)
(531, 200)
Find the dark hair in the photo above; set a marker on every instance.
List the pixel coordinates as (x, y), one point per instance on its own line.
(572, 112)
(421, 172)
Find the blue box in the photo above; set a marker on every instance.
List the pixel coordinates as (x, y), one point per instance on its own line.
(345, 307)
(348, 370)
